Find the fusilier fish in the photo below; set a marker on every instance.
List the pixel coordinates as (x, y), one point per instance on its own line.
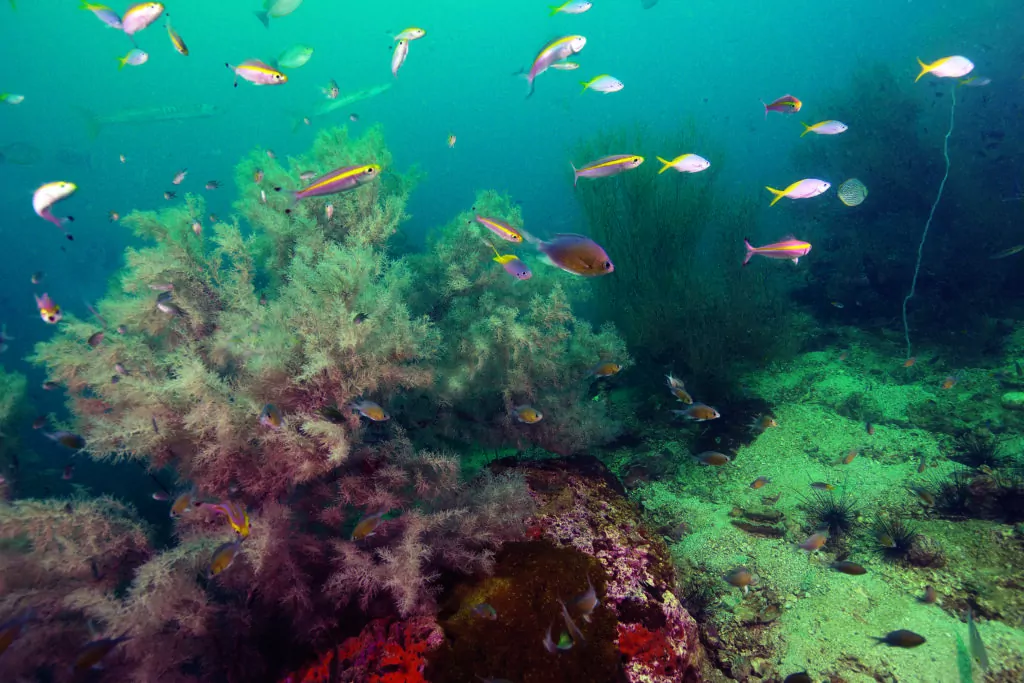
(685, 163)
(565, 66)
(140, 15)
(49, 194)
(257, 72)
(556, 51)
(411, 33)
(135, 57)
(11, 98)
(275, 9)
(830, 127)
(398, 56)
(603, 83)
(500, 228)
(801, 189)
(606, 166)
(338, 180)
(789, 249)
(104, 14)
(947, 67)
(572, 7)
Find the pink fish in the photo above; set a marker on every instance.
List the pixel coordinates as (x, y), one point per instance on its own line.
(801, 189)
(789, 249)
(555, 51)
(787, 104)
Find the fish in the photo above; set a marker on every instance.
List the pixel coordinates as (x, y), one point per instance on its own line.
(332, 91)
(176, 39)
(237, 515)
(574, 631)
(306, 176)
(587, 601)
(924, 494)
(113, 216)
(294, 57)
(179, 176)
(50, 386)
(1008, 252)
(451, 141)
(353, 118)
(370, 410)
(571, 7)
(152, 420)
(604, 369)
(500, 228)
(901, 638)
(978, 652)
(485, 611)
(104, 14)
(139, 16)
(39, 422)
(822, 486)
(801, 189)
(847, 567)
(557, 50)
(93, 653)
(850, 455)
(929, 596)
(360, 318)
(48, 311)
(763, 424)
(49, 194)
(699, 412)
(950, 381)
(121, 369)
(331, 105)
(789, 249)
(96, 338)
(685, 163)
(947, 67)
(398, 56)
(922, 463)
(212, 185)
(712, 458)
(814, 542)
(144, 115)
(602, 84)
(511, 263)
(411, 33)
(169, 308)
(838, 304)
(223, 557)
(66, 439)
(159, 495)
(37, 277)
(276, 9)
(339, 180)
(122, 158)
(830, 127)
(975, 82)
(565, 66)
(271, 417)
(527, 414)
(184, 502)
(11, 98)
(787, 104)
(606, 166)
(741, 577)
(576, 254)
(367, 526)
(328, 211)
(257, 72)
(852, 192)
(760, 482)
(12, 629)
(909, 363)
(4, 338)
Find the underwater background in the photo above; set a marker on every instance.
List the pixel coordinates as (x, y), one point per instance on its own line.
(528, 450)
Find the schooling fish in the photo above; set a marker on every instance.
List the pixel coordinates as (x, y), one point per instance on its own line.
(257, 72)
(606, 166)
(825, 128)
(787, 104)
(789, 249)
(603, 84)
(605, 370)
(338, 180)
(847, 567)
(713, 458)
(801, 189)
(571, 7)
(814, 542)
(176, 39)
(398, 56)
(556, 51)
(512, 265)
(140, 15)
(411, 33)
(275, 9)
(49, 194)
(685, 163)
(576, 254)
(500, 228)
(48, 311)
(699, 412)
(947, 67)
(760, 482)
(104, 14)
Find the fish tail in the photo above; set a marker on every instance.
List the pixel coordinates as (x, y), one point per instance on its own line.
(264, 18)
(585, 84)
(554, 10)
(529, 94)
(765, 110)
(924, 69)
(807, 129)
(779, 194)
(575, 174)
(668, 165)
(751, 250)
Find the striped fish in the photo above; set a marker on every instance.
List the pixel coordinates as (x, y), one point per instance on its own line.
(338, 180)
(500, 228)
(257, 73)
(852, 192)
(606, 166)
(789, 249)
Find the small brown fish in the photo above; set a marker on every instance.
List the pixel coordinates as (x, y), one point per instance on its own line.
(682, 395)
(170, 309)
(604, 370)
(822, 486)
(370, 410)
(367, 526)
(69, 471)
(844, 355)
(161, 496)
(674, 382)
(922, 463)
(712, 458)
(50, 386)
(929, 597)
(847, 567)
(91, 654)
(760, 482)
(197, 228)
(814, 542)
(587, 602)
(114, 216)
(185, 502)
(96, 339)
(869, 428)
(909, 363)
(850, 455)
(223, 557)
(741, 577)
(527, 414)
(271, 417)
(763, 424)
(923, 494)
(699, 412)
(66, 439)
(901, 638)
(39, 422)
(212, 185)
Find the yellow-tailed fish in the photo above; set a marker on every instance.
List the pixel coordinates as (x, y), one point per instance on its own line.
(947, 67)
(140, 15)
(176, 40)
(572, 7)
(685, 163)
(257, 72)
(411, 33)
(830, 127)
(603, 83)
(801, 189)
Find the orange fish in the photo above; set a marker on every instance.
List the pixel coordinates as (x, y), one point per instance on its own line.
(763, 423)
(682, 395)
(605, 370)
(850, 456)
(223, 557)
(370, 410)
(869, 428)
(908, 363)
(699, 412)
(185, 502)
(951, 381)
(844, 355)
(814, 541)
(367, 526)
(760, 482)
(712, 458)
(91, 654)
(741, 577)
(528, 414)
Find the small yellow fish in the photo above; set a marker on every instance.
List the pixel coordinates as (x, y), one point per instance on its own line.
(367, 526)
(185, 502)
(370, 410)
(605, 369)
(176, 40)
(223, 557)
(528, 414)
(451, 141)
(411, 33)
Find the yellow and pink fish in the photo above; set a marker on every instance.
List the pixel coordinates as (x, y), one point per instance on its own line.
(789, 249)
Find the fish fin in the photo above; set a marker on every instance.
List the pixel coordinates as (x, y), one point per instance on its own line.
(750, 250)
(554, 10)
(796, 261)
(924, 69)
(668, 165)
(807, 129)
(122, 61)
(264, 18)
(779, 194)
(765, 110)
(575, 174)
(585, 84)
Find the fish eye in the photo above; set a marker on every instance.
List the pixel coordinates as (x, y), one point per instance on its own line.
(607, 265)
